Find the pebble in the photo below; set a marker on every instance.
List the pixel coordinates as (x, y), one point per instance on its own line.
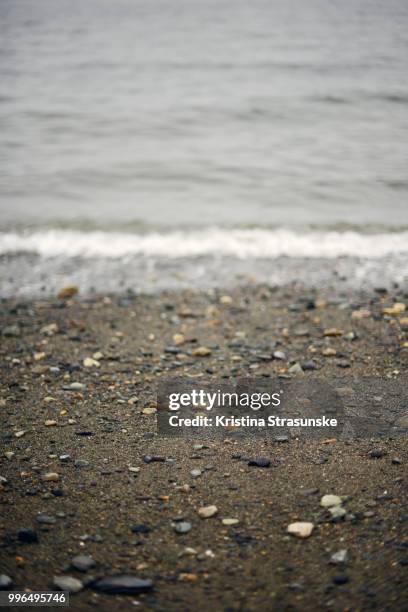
(122, 584)
(182, 527)
(309, 365)
(260, 462)
(301, 529)
(207, 511)
(360, 314)
(230, 521)
(5, 582)
(89, 362)
(12, 331)
(141, 529)
(337, 513)
(376, 453)
(80, 463)
(20, 434)
(75, 386)
(201, 351)
(280, 355)
(340, 579)
(51, 477)
(68, 583)
(329, 352)
(395, 309)
(50, 423)
(330, 500)
(281, 439)
(67, 292)
(83, 563)
(28, 536)
(149, 410)
(153, 459)
(196, 473)
(296, 369)
(46, 519)
(333, 332)
(9, 454)
(339, 557)
(65, 458)
(396, 461)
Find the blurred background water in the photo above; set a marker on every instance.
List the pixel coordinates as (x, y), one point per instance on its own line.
(138, 115)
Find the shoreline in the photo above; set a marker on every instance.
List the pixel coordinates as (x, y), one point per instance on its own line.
(79, 378)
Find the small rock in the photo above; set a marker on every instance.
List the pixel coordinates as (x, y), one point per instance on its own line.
(339, 557)
(9, 454)
(83, 563)
(12, 331)
(207, 511)
(301, 529)
(122, 585)
(75, 386)
(279, 355)
(230, 521)
(46, 519)
(68, 583)
(330, 500)
(20, 434)
(153, 459)
(28, 536)
(337, 513)
(141, 529)
(360, 314)
(67, 292)
(51, 477)
(260, 462)
(196, 473)
(395, 309)
(65, 458)
(296, 369)
(309, 365)
(281, 439)
(396, 461)
(89, 362)
(201, 351)
(50, 423)
(333, 332)
(182, 527)
(329, 352)
(149, 410)
(340, 579)
(5, 582)
(376, 453)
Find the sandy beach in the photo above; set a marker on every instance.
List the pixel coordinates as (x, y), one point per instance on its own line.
(85, 473)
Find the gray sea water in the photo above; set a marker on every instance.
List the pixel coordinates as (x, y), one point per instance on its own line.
(179, 118)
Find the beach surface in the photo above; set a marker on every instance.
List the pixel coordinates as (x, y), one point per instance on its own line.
(84, 472)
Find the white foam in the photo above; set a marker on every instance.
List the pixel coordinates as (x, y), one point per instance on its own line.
(243, 243)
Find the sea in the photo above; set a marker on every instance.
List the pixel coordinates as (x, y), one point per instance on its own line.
(148, 145)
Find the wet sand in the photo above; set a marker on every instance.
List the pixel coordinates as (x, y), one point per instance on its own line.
(106, 501)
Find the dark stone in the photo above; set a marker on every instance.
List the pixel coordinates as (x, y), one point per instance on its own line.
(340, 579)
(28, 536)
(153, 458)
(141, 529)
(377, 453)
(309, 365)
(260, 462)
(122, 584)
